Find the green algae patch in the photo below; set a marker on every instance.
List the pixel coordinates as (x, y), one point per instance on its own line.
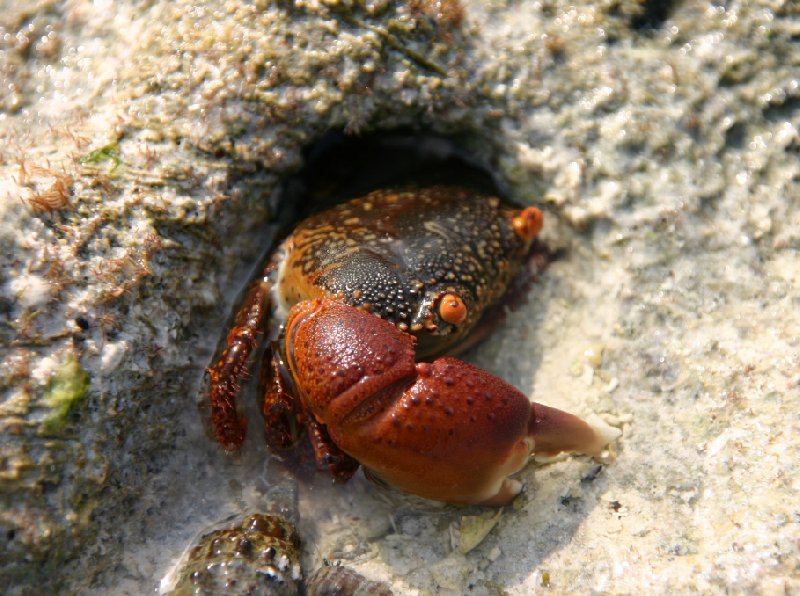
(68, 386)
(105, 153)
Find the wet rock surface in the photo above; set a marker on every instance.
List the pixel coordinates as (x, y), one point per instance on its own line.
(141, 150)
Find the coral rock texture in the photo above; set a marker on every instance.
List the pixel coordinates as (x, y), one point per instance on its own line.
(141, 146)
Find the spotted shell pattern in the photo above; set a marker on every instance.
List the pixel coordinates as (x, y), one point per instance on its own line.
(396, 253)
(260, 555)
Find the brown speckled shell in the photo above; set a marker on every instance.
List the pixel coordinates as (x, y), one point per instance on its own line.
(394, 252)
(260, 555)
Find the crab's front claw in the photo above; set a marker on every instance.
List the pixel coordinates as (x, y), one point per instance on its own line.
(444, 430)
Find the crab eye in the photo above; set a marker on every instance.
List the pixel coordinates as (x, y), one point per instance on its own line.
(452, 309)
(528, 223)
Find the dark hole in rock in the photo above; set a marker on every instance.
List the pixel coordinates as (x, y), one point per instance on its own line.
(653, 14)
(339, 167)
(782, 109)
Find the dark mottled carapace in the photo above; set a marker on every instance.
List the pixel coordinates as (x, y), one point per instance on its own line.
(397, 253)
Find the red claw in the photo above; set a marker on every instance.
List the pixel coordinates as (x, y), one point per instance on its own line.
(444, 430)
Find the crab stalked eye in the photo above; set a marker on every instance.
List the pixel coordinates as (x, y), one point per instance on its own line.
(452, 309)
(528, 223)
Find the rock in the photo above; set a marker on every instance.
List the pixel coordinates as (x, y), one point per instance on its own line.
(141, 153)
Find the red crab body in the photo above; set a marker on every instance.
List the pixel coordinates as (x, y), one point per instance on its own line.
(428, 263)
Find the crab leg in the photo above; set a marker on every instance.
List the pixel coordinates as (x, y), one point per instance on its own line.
(282, 425)
(327, 453)
(227, 373)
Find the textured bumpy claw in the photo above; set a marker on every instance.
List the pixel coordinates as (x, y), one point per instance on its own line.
(445, 430)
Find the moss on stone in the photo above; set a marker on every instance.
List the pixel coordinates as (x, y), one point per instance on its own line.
(65, 390)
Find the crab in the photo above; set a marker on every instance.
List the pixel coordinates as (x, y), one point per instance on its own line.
(358, 294)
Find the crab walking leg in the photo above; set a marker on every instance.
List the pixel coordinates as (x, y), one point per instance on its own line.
(230, 369)
(282, 425)
(328, 455)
